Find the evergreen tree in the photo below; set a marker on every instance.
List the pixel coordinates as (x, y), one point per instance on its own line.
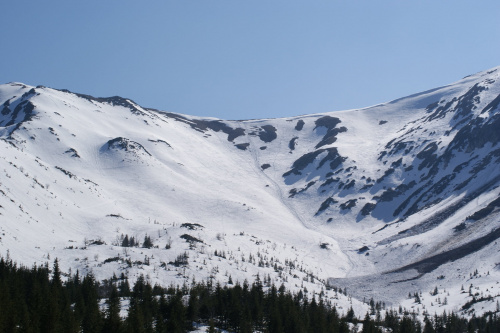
(428, 327)
(33, 300)
(407, 325)
(147, 242)
(112, 322)
(369, 325)
(124, 287)
(350, 316)
(125, 241)
(343, 327)
(92, 318)
(177, 315)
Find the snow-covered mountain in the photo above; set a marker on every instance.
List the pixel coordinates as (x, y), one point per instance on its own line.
(397, 198)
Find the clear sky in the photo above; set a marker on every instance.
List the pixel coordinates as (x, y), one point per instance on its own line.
(236, 59)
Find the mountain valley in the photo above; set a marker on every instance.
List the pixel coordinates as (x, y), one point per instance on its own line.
(381, 202)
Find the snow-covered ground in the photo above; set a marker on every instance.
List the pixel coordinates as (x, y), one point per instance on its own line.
(296, 200)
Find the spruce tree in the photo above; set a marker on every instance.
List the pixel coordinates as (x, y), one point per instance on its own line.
(125, 242)
(92, 318)
(112, 321)
(147, 244)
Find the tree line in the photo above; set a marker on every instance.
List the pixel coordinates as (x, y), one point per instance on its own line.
(37, 299)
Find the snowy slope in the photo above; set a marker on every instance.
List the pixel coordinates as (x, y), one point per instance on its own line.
(382, 200)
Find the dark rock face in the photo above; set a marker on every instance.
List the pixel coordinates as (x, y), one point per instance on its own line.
(214, 125)
(66, 172)
(425, 181)
(114, 100)
(161, 141)
(463, 104)
(301, 163)
(348, 204)
(72, 152)
(327, 121)
(27, 107)
(350, 184)
(326, 204)
(427, 155)
(493, 105)
(295, 191)
(125, 144)
(292, 143)
(392, 193)
(429, 264)
(191, 239)
(322, 162)
(232, 133)
(267, 133)
(363, 249)
(304, 161)
(330, 123)
(468, 101)
(192, 226)
(300, 125)
(439, 217)
(387, 173)
(396, 147)
(475, 135)
(5, 108)
(242, 146)
(330, 180)
(482, 213)
(367, 209)
(17, 111)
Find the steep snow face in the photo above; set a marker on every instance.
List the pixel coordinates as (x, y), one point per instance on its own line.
(380, 195)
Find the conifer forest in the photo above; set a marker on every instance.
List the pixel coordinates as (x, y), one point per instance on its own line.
(36, 299)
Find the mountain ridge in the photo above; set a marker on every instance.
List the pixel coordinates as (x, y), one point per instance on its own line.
(354, 196)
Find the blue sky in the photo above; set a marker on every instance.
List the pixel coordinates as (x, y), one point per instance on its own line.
(236, 59)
